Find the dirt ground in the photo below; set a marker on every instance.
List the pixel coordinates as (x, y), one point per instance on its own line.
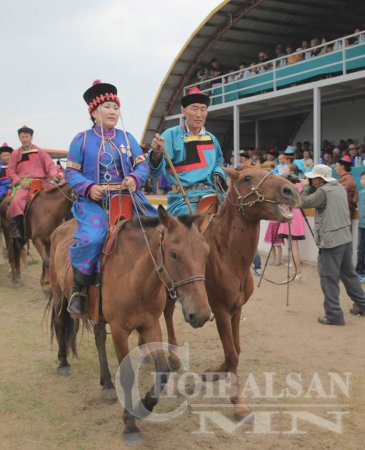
(303, 381)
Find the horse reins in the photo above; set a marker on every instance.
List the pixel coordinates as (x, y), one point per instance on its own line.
(161, 268)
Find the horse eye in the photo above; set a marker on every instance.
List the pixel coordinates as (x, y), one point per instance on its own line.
(173, 255)
(247, 178)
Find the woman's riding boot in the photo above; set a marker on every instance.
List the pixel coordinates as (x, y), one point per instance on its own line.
(77, 304)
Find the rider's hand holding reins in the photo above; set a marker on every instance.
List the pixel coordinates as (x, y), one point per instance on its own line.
(156, 145)
(129, 184)
(96, 192)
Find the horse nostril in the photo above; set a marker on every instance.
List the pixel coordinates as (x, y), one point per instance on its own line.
(192, 319)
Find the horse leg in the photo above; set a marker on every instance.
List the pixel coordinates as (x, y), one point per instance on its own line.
(14, 253)
(120, 336)
(65, 329)
(108, 392)
(168, 312)
(225, 325)
(151, 398)
(41, 249)
(240, 409)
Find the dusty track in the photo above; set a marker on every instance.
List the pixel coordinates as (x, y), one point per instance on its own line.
(40, 410)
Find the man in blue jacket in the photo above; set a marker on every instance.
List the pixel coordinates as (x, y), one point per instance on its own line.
(194, 152)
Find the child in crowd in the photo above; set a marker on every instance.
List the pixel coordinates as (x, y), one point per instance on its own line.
(297, 228)
(272, 237)
(360, 265)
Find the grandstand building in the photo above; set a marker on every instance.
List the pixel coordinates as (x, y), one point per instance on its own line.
(313, 99)
(309, 94)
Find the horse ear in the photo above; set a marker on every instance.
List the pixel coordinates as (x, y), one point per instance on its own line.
(166, 220)
(232, 173)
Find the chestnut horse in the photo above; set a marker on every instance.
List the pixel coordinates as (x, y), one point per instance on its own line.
(45, 212)
(233, 236)
(167, 253)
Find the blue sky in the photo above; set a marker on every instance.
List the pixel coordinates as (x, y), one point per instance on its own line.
(51, 51)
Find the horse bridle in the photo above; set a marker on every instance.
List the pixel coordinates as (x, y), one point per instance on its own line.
(160, 268)
(171, 285)
(253, 191)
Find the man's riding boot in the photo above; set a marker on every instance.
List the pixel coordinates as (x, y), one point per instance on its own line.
(17, 225)
(77, 304)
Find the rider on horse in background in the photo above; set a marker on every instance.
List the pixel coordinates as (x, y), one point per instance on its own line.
(27, 162)
(194, 152)
(5, 180)
(98, 158)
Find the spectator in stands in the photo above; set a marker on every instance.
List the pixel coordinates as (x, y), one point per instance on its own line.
(307, 160)
(263, 57)
(327, 157)
(343, 170)
(292, 57)
(279, 53)
(244, 71)
(298, 150)
(202, 75)
(215, 68)
(270, 159)
(314, 43)
(305, 46)
(361, 150)
(353, 153)
(306, 145)
(325, 49)
(336, 155)
(244, 158)
(281, 167)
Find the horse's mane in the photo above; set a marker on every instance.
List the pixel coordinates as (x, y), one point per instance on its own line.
(152, 222)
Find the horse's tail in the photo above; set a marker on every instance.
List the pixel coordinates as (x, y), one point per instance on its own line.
(69, 326)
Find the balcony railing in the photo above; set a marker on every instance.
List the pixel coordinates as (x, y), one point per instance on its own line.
(278, 73)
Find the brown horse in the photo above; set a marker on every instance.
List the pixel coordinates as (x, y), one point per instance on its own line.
(171, 254)
(45, 212)
(233, 237)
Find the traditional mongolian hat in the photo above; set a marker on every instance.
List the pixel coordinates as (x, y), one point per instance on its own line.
(194, 95)
(99, 93)
(345, 161)
(289, 152)
(5, 148)
(25, 129)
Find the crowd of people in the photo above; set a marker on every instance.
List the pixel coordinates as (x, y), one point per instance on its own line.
(287, 54)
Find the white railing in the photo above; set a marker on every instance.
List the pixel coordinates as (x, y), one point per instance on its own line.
(221, 88)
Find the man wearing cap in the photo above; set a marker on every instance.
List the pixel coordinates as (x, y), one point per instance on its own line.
(27, 162)
(5, 180)
(195, 153)
(343, 170)
(334, 240)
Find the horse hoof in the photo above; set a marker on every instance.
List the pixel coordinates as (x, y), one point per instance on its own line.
(64, 371)
(244, 417)
(132, 438)
(174, 363)
(214, 376)
(109, 395)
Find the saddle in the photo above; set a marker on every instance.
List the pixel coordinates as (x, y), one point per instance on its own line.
(35, 188)
(207, 206)
(120, 211)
